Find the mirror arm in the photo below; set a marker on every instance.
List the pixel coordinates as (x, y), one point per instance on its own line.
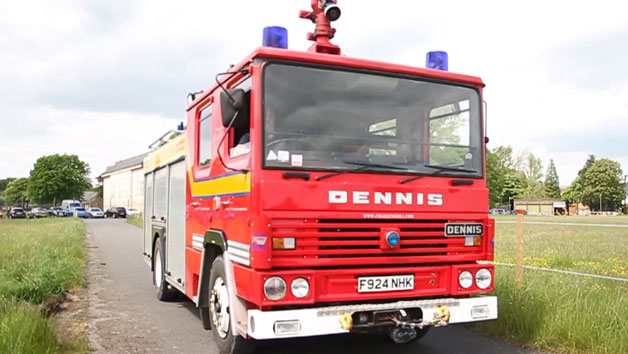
(244, 71)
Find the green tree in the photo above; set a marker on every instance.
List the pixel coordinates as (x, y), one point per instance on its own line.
(16, 192)
(573, 194)
(512, 187)
(531, 175)
(552, 186)
(499, 165)
(603, 184)
(4, 183)
(58, 177)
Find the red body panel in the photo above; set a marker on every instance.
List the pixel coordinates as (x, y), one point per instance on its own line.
(280, 207)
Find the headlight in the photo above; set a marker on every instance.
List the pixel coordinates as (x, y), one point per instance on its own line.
(300, 287)
(275, 288)
(483, 278)
(465, 279)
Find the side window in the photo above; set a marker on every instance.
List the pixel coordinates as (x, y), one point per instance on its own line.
(205, 137)
(240, 143)
(449, 134)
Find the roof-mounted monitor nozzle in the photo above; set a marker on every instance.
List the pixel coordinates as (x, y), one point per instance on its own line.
(322, 14)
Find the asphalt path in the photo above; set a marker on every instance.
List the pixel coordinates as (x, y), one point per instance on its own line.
(126, 317)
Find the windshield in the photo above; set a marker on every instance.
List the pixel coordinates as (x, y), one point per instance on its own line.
(327, 119)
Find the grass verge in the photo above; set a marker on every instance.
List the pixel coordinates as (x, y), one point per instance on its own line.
(40, 260)
(137, 220)
(590, 249)
(560, 312)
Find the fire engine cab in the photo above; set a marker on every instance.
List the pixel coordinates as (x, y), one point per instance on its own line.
(311, 193)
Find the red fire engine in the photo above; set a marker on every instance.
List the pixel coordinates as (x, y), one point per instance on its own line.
(313, 193)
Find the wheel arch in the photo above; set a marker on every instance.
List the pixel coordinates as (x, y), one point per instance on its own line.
(214, 244)
(158, 233)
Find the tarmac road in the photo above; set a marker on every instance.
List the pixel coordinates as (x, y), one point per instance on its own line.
(125, 316)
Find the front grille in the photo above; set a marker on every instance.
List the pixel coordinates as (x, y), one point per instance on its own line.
(342, 242)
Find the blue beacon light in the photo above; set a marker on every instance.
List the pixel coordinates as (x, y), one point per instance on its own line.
(275, 36)
(437, 60)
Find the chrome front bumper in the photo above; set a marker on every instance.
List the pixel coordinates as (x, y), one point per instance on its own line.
(327, 320)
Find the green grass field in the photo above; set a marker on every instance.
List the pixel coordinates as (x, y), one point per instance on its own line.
(137, 220)
(619, 220)
(587, 249)
(562, 312)
(39, 260)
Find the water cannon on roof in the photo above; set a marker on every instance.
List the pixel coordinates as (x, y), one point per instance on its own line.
(323, 13)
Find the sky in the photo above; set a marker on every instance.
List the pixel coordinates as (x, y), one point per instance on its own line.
(104, 79)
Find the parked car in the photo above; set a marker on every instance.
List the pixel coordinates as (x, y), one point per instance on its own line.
(115, 212)
(38, 213)
(0, 214)
(57, 211)
(499, 212)
(80, 212)
(17, 213)
(131, 211)
(95, 213)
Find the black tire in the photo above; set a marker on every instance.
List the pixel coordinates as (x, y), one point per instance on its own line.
(164, 292)
(420, 333)
(227, 343)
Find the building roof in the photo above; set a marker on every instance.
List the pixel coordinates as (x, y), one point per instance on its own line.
(89, 196)
(537, 200)
(125, 164)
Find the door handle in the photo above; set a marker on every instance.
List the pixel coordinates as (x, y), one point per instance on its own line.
(195, 204)
(153, 217)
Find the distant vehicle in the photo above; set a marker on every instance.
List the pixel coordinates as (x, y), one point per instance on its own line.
(115, 212)
(0, 214)
(71, 204)
(132, 211)
(80, 212)
(499, 211)
(38, 213)
(17, 213)
(56, 211)
(95, 213)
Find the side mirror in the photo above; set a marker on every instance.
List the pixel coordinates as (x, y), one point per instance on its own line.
(232, 101)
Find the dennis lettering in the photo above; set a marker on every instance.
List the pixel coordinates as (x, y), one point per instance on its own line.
(385, 198)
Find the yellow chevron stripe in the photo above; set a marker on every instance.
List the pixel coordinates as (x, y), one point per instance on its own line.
(237, 183)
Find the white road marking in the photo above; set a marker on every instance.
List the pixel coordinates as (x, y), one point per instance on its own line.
(564, 272)
(562, 223)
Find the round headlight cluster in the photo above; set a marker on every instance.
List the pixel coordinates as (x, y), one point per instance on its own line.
(300, 287)
(483, 278)
(275, 288)
(465, 279)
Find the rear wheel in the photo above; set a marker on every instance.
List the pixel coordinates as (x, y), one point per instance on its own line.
(220, 311)
(164, 291)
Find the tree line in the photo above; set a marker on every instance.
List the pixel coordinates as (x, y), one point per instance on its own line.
(52, 179)
(599, 185)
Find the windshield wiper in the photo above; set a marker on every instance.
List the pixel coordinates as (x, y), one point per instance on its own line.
(364, 165)
(370, 164)
(439, 170)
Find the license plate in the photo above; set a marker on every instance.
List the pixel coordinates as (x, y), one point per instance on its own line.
(385, 283)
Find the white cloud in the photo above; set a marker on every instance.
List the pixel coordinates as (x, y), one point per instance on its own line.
(70, 69)
(98, 138)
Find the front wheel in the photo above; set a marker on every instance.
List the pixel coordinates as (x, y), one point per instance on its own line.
(219, 313)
